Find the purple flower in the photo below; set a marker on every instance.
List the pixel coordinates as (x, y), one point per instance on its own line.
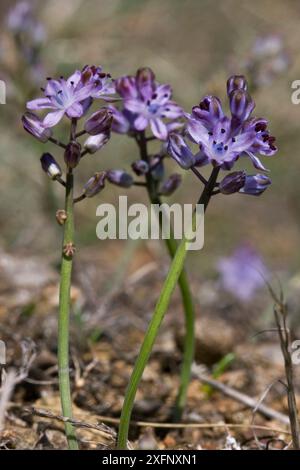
(102, 84)
(146, 103)
(222, 139)
(72, 97)
(242, 273)
(21, 19)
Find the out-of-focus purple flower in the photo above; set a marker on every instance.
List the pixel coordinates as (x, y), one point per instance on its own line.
(221, 139)
(120, 178)
(243, 273)
(233, 182)
(255, 185)
(71, 97)
(146, 103)
(21, 19)
(34, 126)
(96, 142)
(267, 59)
(50, 166)
(99, 122)
(95, 184)
(171, 184)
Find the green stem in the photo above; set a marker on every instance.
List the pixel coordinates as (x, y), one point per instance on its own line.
(64, 312)
(187, 299)
(153, 328)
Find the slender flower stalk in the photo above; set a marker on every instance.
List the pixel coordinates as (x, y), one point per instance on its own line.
(187, 299)
(70, 98)
(64, 312)
(158, 316)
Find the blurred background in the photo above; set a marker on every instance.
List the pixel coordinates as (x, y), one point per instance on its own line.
(194, 45)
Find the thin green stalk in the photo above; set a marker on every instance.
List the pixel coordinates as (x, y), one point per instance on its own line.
(153, 328)
(186, 295)
(64, 312)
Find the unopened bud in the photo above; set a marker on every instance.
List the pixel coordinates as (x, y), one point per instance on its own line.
(171, 184)
(233, 182)
(99, 122)
(120, 178)
(50, 166)
(34, 126)
(72, 154)
(96, 142)
(157, 168)
(236, 82)
(140, 167)
(95, 184)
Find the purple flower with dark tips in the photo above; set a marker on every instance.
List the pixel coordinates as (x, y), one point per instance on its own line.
(146, 103)
(243, 273)
(222, 139)
(71, 97)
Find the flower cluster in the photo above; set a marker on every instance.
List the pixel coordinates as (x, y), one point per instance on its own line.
(73, 97)
(222, 140)
(145, 103)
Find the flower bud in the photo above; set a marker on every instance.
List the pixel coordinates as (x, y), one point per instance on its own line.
(140, 167)
(236, 82)
(96, 142)
(95, 184)
(256, 185)
(178, 149)
(50, 166)
(34, 126)
(99, 122)
(233, 182)
(157, 168)
(241, 104)
(72, 154)
(171, 184)
(120, 178)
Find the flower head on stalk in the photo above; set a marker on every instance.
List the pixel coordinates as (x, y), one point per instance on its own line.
(72, 97)
(145, 103)
(222, 139)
